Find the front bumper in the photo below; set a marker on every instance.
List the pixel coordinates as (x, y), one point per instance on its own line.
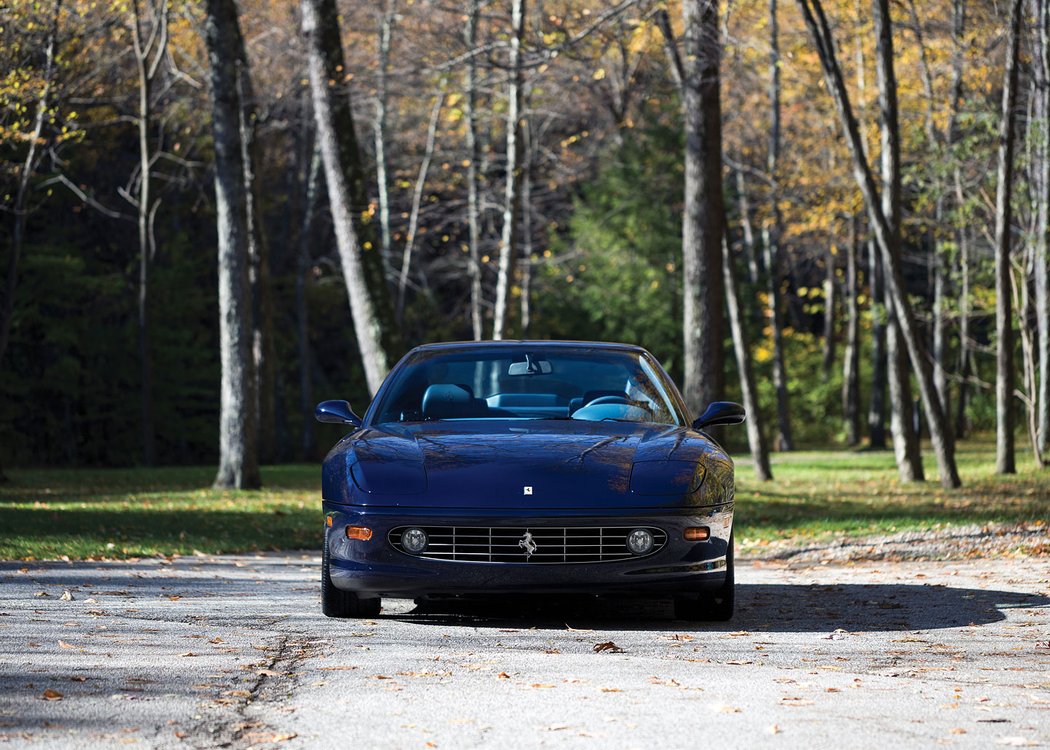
(375, 567)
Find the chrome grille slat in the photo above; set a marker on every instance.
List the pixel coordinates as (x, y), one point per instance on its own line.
(555, 544)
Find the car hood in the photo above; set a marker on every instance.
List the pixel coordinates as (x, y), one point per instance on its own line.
(527, 464)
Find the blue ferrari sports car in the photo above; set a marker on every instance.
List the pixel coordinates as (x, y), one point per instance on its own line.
(528, 467)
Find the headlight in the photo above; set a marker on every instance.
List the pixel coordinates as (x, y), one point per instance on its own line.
(414, 540)
(640, 541)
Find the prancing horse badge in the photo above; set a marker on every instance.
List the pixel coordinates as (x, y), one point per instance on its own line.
(527, 489)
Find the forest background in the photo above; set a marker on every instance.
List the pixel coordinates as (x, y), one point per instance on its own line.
(513, 169)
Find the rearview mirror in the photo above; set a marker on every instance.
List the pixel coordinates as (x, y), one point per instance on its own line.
(530, 367)
(719, 413)
(336, 412)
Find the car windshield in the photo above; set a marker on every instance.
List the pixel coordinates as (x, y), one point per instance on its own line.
(528, 382)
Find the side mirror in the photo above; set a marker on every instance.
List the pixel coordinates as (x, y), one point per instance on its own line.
(336, 412)
(719, 413)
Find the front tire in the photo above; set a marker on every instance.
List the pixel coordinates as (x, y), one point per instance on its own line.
(716, 607)
(342, 604)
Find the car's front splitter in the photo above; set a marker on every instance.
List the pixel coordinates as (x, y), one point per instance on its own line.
(375, 567)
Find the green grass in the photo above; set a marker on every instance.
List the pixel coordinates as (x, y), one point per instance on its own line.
(121, 513)
(823, 493)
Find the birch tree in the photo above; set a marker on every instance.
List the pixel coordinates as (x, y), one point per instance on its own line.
(1004, 351)
(940, 434)
(238, 430)
(367, 325)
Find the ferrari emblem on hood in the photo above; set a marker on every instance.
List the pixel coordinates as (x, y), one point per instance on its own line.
(527, 489)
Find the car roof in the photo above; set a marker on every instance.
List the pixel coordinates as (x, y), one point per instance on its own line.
(514, 343)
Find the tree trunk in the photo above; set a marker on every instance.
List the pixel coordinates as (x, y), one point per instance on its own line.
(877, 401)
(368, 326)
(964, 320)
(508, 246)
(704, 212)
(905, 438)
(474, 155)
(238, 459)
(1004, 368)
(829, 315)
(386, 25)
(417, 199)
(744, 206)
(154, 46)
(352, 165)
(1041, 186)
(771, 241)
(259, 271)
(20, 208)
(526, 230)
(755, 439)
(940, 435)
(302, 310)
(851, 358)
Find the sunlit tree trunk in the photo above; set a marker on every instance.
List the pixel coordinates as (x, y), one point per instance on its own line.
(851, 358)
(149, 50)
(704, 212)
(771, 241)
(302, 310)
(1004, 369)
(474, 156)
(417, 200)
(355, 175)
(386, 25)
(829, 314)
(526, 230)
(1041, 186)
(508, 246)
(905, 439)
(755, 438)
(940, 435)
(238, 430)
(368, 326)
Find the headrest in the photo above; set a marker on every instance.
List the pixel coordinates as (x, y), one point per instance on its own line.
(445, 401)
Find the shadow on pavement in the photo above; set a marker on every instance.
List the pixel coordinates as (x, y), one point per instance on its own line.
(759, 607)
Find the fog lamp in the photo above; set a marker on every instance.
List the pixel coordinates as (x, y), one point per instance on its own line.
(640, 541)
(414, 540)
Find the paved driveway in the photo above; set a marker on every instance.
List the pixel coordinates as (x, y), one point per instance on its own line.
(233, 652)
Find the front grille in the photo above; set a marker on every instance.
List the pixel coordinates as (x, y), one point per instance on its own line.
(501, 544)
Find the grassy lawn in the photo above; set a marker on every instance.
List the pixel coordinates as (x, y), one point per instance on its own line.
(120, 513)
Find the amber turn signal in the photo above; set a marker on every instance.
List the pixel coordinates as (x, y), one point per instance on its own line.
(361, 533)
(697, 534)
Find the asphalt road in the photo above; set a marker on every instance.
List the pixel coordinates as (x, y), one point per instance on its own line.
(233, 652)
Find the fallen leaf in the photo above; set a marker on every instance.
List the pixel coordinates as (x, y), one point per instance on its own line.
(188, 653)
(738, 662)
(795, 702)
(957, 730)
(612, 690)
(503, 676)
(774, 729)
(607, 646)
(381, 677)
(63, 644)
(174, 597)
(552, 651)
(52, 695)
(67, 596)
(723, 708)
(540, 685)
(216, 639)
(577, 630)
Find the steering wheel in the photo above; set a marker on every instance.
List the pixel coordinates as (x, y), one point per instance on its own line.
(608, 400)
